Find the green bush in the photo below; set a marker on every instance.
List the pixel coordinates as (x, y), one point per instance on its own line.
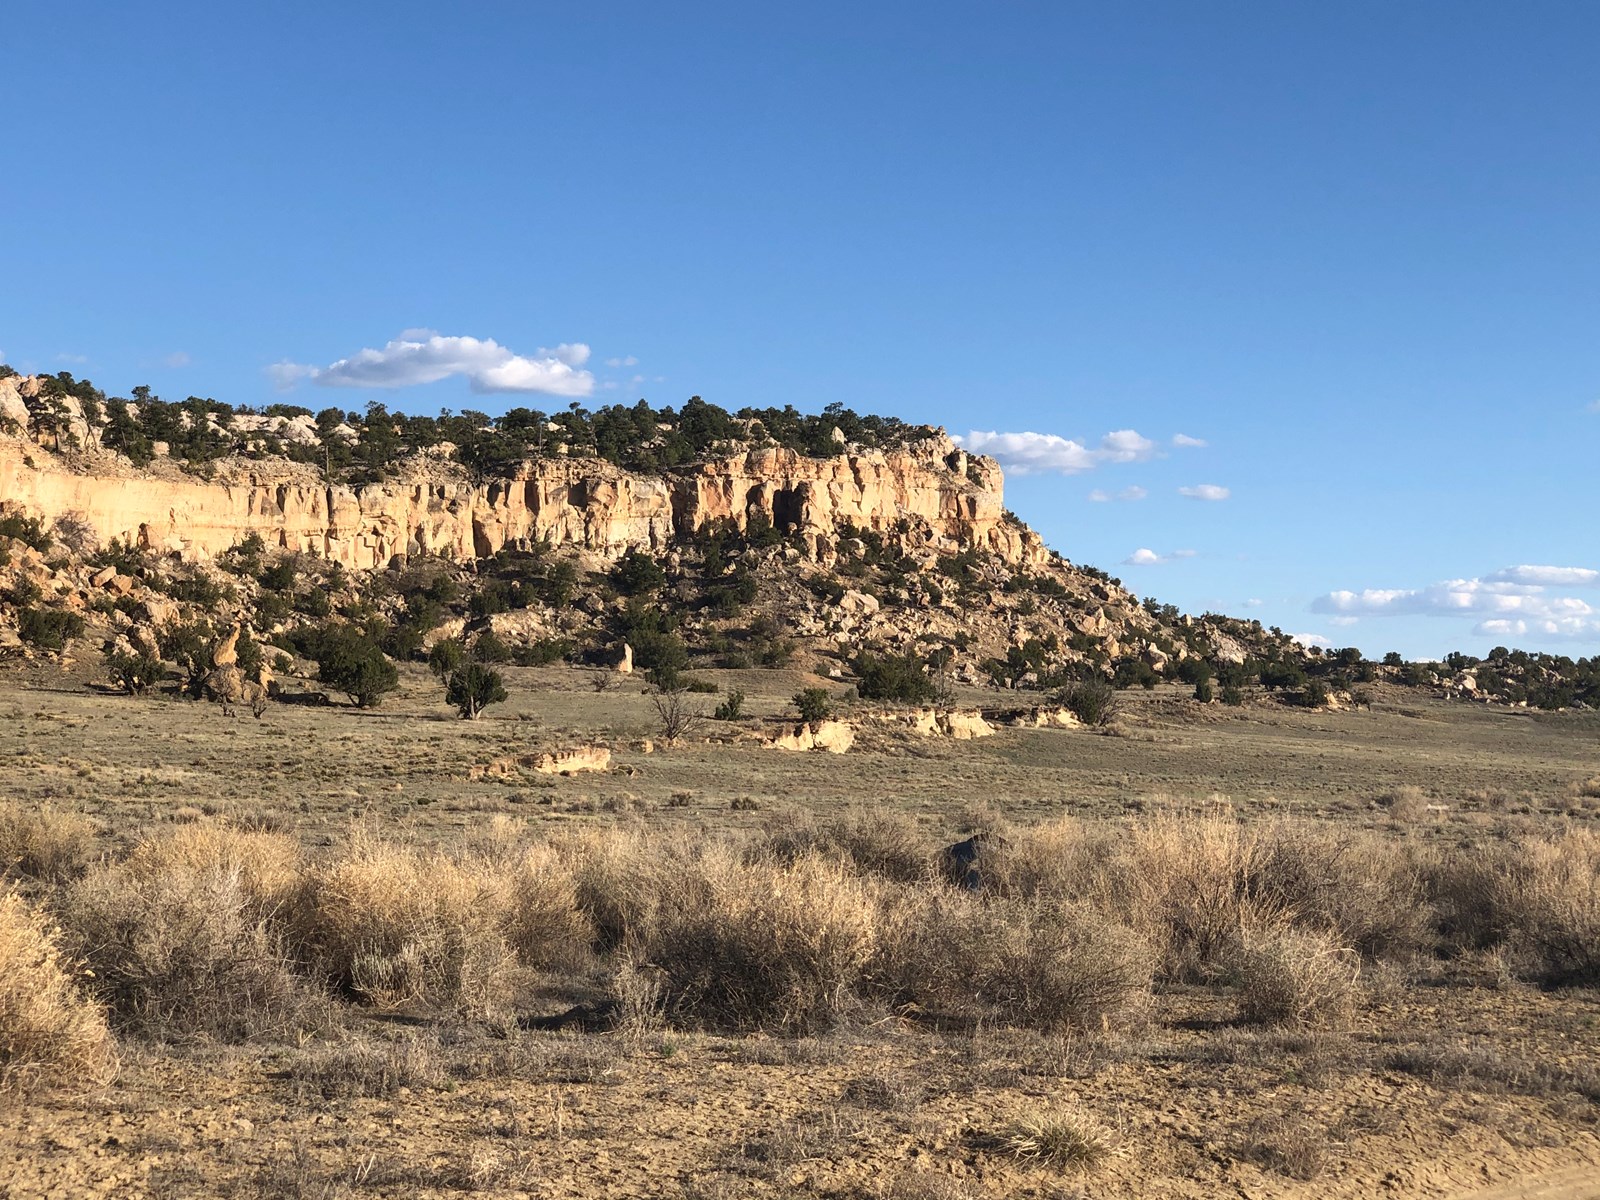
(1232, 695)
(894, 677)
(48, 629)
(350, 662)
(133, 672)
(637, 574)
(446, 657)
(487, 647)
(543, 652)
(732, 708)
(474, 687)
(28, 530)
(1092, 701)
(813, 704)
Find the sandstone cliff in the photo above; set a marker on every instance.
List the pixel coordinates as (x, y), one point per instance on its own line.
(951, 500)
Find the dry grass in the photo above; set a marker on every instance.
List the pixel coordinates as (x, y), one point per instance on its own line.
(1017, 960)
(1538, 899)
(394, 926)
(1296, 977)
(362, 1068)
(182, 943)
(544, 922)
(49, 1032)
(874, 841)
(1068, 1138)
(757, 945)
(1294, 1147)
(1404, 804)
(45, 843)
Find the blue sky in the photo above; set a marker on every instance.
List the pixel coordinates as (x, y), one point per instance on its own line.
(1352, 248)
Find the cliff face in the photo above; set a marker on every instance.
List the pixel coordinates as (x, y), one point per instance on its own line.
(956, 500)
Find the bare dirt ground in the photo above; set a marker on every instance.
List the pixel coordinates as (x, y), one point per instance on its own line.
(1449, 1081)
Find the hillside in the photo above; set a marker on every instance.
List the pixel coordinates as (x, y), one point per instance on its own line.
(695, 537)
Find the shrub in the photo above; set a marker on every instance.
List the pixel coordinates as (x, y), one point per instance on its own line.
(1549, 897)
(893, 677)
(350, 662)
(542, 652)
(181, 940)
(813, 704)
(473, 688)
(1406, 803)
(446, 657)
(1092, 701)
(1069, 1139)
(762, 946)
(390, 925)
(1315, 695)
(870, 841)
(1232, 695)
(47, 628)
(676, 714)
(1295, 977)
(543, 922)
(732, 708)
(1018, 960)
(134, 671)
(30, 531)
(43, 844)
(1204, 692)
(637, 573)
(487, 647)
(48, 1031)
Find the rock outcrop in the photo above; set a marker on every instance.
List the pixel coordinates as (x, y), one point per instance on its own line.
(954, 500)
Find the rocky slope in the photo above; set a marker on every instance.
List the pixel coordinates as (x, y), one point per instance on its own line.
(433, 507)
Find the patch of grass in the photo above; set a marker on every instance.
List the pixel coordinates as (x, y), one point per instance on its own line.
(44, 843)
(1014, 960)
(1067, 1138)
(342, 1070)
(1296, 977)
(49, 1032)
(1293, 1147)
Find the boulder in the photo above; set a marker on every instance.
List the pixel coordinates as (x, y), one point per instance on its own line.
(227, 651)
(834, 737)
(570, 762)
(102, 577)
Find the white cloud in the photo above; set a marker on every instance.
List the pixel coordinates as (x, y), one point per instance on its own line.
(178, 358)
(1145, 557)
(487, 366)
(628, 361)
(1206, 491)
(1183, 439)
(76, 360)
(1545, 576)
(285, 375)
(1312, 639)
(1027, 453)
(1510, 602)
(1343, 622)
(1254, 602)
(1125, 446)
(574, 354)
(1594, 406)
(1101, 496)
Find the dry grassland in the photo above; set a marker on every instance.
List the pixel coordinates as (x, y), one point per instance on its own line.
(1258, 951)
